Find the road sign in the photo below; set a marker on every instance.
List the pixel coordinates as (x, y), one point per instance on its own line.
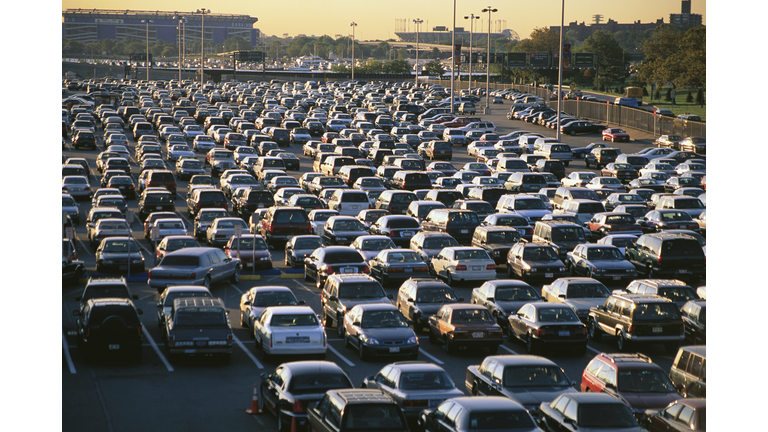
(154, 233)
(70, 233)
(238, 231)
(539, 60)
(517, 60)
(583, 60)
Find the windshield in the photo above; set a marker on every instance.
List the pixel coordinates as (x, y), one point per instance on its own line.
(500, 420)
(377, 244)
(381, 319)
(318, 383)
(471, 316)
(605, 416)
(644, 381)
(539, 254)
(300, 320)
(535, 376)
(361, 290)
(568, 234)
(118, 246)
(274, 298)
(529, 204)
(606, 253)
(309, 243)
(425, 381)
(545, 314)
(515, 294)
(471, 255)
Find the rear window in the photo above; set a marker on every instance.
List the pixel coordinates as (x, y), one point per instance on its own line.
(162, 177)
(99, 314)
(201, 317)
(180, 260)
(105, 291)
(534, 179)
(291, 216)
(337, 257)
(442, 146)
(561, 148)
(354, 197)
(212, 196)
(591, 208)
(374, 417)
(681, 248)
(498, 420)
(403, 223)
(655, 311)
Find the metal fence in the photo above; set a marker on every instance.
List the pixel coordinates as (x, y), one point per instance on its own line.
(605, 112)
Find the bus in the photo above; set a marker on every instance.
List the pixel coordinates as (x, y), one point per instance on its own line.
(635, 93)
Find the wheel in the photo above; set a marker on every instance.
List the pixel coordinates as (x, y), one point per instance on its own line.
(207, 282)
(595, 333)
(340, 330)
(306, 275)
(347, 343)
(361, 352)
(327, 322)
(530, 345)
(448, 278)
(448, 346)
(281, 426)
(622, 343)
(236, 276)
(264, 355)
(432, 338)
(287, 263)
(683, 392)
(586, 162)
(242, 320)
(511, 335)
(573, 133)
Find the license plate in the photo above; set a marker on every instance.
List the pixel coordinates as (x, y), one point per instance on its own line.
(477, 334)
(348, 270)
(408, 270)
(549, 275)
(394, 349)
(465, 231)
(114, 346)
(476, 268)
(297, 339)
(657, 329)
(189, 351)
(407, 233)
(563, 333)
(158, 207)
(434, 402)
(617, 278)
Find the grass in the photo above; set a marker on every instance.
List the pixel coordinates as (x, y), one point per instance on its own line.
(680, 106)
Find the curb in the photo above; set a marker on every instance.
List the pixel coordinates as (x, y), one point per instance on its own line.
(250, 277)
(292, 276)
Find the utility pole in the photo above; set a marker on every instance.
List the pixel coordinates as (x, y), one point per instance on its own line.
(488, 59)
(418, 22)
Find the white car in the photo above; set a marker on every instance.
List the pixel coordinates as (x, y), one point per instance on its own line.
(193, 131)
(170, 226)
(621, 241)
(203, 143)
(473, 148)
(463, 264)
(606, 183)
(257, 299)
(175, 152)
(318, 219)
(286, 330)
(76, 186)
(120, 150)
(578, 179)
(117, 139)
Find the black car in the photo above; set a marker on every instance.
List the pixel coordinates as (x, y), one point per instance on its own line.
(586, 411)
(109, 325)
(153, 201)
(342, 230)
(399, 228)
(695, 318)
(496, 240)
(477, 413)
(581, 127)
(293, 388)
(355, 410)
(534, 261)
(84, 138)
(333, 259)
(548, 325)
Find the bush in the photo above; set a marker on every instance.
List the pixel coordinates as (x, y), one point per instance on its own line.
(700, 97)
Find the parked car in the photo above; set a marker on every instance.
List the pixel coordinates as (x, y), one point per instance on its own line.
(465, 326)
(297, 327)
(587, 412)
(196, 266)
(548, 325)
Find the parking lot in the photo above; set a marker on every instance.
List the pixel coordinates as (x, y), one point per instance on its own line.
(201, 393)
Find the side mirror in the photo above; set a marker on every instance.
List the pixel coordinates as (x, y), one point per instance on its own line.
(301, 302)
(389, 296)
(562, 296)
(410, 300)
(356, 323)
(610, 386)
(247, 303)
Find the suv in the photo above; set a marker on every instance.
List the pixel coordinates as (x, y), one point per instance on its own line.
(436, 150)
(632, 378)
(343, 292)
(668, 255)
(420, 298)
(109, 324)
(496, 240)
(689, 371)
(522, 182)
(282, 223)
(601, 157)
(459, 224)
(356, 409)
(349, 202)
(411, 180)
(637, 318)
(695, 319)
(105, 287)
(396, 202)
(205, 198)
(198, 325)
(561, 235)
(675, 290)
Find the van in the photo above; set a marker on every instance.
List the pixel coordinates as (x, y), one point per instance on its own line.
(350, 173)
(561, 235)
(459, 224)
(467, 108)
(396, 202)
(564, 194)
(349, 202)
(689, 371)
(512, 165)
(521, 182)
(420, 209)
(583, 209)
(625, 101)
(333, 164)
(445, 196)
(557, 151)
(411, 180)
(637, 161)
(490, 195)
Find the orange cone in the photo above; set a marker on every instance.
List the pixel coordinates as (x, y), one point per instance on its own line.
(254, 401)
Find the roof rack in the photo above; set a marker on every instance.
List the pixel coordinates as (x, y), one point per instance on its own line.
(621, 357)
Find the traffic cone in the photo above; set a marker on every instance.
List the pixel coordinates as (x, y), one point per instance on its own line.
(254, 401)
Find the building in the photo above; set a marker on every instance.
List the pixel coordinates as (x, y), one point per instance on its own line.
(92, 25)
(443, 35)
(685, 17)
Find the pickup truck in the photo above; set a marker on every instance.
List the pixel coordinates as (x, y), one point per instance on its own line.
(198, 325)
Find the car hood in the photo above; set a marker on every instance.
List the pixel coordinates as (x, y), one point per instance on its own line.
(512, 306)
(534, 396)
(349, 234)
(548, 263)
(613, 264)
(649, 400)
(389, 334)
(583, 305)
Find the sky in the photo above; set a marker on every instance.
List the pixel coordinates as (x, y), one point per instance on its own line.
(378, 20)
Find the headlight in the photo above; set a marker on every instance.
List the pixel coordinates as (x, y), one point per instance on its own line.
(369, 341)
(562, 269)
(496, 253)
(413, 340)
(526, 266)
(264, 259)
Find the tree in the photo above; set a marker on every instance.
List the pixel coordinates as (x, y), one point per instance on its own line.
(542, 40)
(435, 53)
(676, 56)
(381, 50)
(434, 68)
(609, 57)
(397, 66)
(236, 43)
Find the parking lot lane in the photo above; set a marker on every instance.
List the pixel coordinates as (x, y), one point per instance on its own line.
(249, 353)
(67, 355)
(338, 354)
(430, 356)
(156, 348)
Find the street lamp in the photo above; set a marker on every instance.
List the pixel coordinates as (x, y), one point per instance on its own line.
(471, 19)
(147, 63)
(453, 54)
(488, 59)
(353, 25)
(560, 70)
(182, 36)
(202, 12)
(418, 22)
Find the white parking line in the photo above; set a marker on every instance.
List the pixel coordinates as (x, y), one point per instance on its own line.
(503, 346)
(238, 289)
(66, 354)
(248, 352)
(593, 350)
(156, 348)
(338, 354)
(433, 358)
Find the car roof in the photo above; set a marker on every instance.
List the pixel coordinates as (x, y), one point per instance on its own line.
(289, 310)
(487, 403)
(312, 366)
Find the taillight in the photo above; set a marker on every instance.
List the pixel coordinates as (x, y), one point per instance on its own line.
(366, 269)
(230, 339)
(396, 270)
(541, 332)
(631, 329)
(297, 408)
(682, 329)
(339, 206)
(490, 267)
(139, 328)
(329, 270)
(461, 267)
(87, 331)
(390, 209)
(392, 234)
(171, 340)
(150, 273)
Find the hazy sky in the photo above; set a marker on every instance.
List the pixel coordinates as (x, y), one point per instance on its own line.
(378, 19)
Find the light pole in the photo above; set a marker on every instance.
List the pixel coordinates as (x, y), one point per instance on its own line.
(418, 22)
(353, 25)
(453, 53)
(560, 70)
(147, 63)
(202, 12)
(471, 19)
(488, 58)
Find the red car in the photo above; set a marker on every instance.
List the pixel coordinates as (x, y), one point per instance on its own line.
(253, 250)
(603, 224)
(615, 134)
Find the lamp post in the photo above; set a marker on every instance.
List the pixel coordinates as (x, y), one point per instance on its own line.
(202, 12)
(453, 54)
(353, 25)
(488, 58)
(147, 63)
(560, 70)
(471, 19)
(418, 22)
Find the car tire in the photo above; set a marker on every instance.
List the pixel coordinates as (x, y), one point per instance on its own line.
(622, 343)
(306, 275)
(650, 272)
(449, 279)
(264, 355)
(281, 426)
(530, 345)
(242, 320)
(448, 346)
(432, 338)
(361, 351)
(236, 275)
(347, 343)
(207, 282)
(594, 331)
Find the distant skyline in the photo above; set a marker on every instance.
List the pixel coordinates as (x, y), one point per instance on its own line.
(323, 17)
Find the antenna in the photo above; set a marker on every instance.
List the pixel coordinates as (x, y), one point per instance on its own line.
(597, 18)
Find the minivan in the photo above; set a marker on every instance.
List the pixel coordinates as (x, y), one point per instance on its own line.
(460, 224)
(689, 371)
(411, 180)
(561, 235)
(557, 151)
